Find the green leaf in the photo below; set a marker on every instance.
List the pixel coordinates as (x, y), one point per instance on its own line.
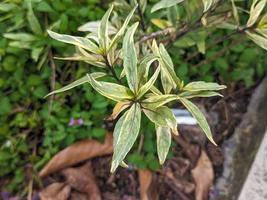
(159, 100)
(259, 40)
(165, 4)
(33, 21)
(163, 142)
(198, 115)
(111, 90)
(25, 37)
(77, 41)
(103, 31)
(201, 86)
(149, 84)
(6, 7)
(120, 33)
(162, 116)
(255, 11)
(125, 134)
(77, 83)
(173, 15)
(130, 58)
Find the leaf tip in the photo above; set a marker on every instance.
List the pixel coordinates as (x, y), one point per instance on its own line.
(114, 166)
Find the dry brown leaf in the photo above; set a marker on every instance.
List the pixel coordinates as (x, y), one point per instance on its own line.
(119, 107)
(55, 191)
(78, 196)
(203, 175)
(76, 153)
(83, 180)
(147, 185)
(180, 183)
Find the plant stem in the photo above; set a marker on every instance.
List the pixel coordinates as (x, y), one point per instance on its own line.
(111, 69)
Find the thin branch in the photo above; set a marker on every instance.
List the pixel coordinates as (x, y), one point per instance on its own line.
(156, 34)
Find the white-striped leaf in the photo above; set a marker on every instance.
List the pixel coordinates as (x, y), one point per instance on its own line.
(125, 134)
(111, 90)
(198, 115)
(76, 83)
(163, 142)
(75, 40)
(130, 58)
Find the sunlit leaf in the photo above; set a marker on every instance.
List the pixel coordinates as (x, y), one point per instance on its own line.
(111, 90)
(103, 31)
(189, 95)
(130, 58)
(93, 27)
(255, 11)
(198, 115)
(120, 33)
(259, 40)
(165, 4)
(163, 142)
(159, 100)
(201, 85)
(76, 83)
(207, 4)
(125, 134)
(75, 40)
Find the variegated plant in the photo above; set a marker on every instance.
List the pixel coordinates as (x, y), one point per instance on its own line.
(147, 80)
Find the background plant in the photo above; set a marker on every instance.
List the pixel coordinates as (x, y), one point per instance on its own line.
(24, 80)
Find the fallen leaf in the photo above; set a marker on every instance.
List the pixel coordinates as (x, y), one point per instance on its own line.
(148, 190)
(76, 153)
(203, 175)
(180, 183)
(83, 180)
(55, 191)
(78, 196)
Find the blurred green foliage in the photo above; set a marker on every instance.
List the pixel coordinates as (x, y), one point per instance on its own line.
(32, 131)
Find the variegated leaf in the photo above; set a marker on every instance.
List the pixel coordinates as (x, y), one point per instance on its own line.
(198, 115)
(111, 90)
(163, 142)
(125, 134)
